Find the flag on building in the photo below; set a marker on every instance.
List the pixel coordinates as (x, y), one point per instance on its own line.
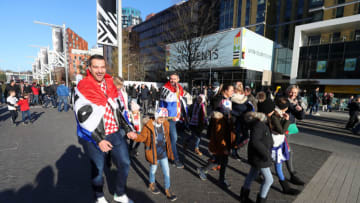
(106, 22)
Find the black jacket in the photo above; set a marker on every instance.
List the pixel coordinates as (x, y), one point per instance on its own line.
(294, 114)
(279, 125)
(27, 89)
(8, 88)
(132, 92)
(353, 107)
(145, 94)
(261, 141)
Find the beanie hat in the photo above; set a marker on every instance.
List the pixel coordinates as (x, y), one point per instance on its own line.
(282, 103)
(266, 107)
(161, 112)
(134, 106)
(203, 98)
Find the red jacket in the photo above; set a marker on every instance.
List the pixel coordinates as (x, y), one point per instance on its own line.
(35, 90)
(24, 105)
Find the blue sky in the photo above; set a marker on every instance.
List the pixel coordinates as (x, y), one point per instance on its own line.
(18, 31)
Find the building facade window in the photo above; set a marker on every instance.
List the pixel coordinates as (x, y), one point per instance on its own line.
(239, 8)
(340, 10)
(248, 12)
(260, 29)
(331, 61)
(226, 14)
(316, 3)
(260, 14)
(300, 9)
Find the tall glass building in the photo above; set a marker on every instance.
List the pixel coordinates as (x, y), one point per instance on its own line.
(130, 16)
(277, 19)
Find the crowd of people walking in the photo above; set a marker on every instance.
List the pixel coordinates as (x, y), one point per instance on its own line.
(22, 95)
(107, 111)
(115, 119)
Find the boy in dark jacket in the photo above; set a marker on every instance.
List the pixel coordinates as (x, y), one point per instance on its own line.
(155, 135)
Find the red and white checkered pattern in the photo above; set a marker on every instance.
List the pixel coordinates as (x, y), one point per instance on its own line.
(109, 119)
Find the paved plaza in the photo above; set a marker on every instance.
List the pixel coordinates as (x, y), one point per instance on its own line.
(44, 162)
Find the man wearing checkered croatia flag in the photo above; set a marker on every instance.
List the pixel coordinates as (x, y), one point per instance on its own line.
(100, 122)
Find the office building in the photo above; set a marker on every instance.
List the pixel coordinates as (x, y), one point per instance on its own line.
(130, 16)
(327, 54)
(161, 28)
(76, 60)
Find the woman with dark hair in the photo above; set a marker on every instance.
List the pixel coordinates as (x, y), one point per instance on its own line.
(220, 133)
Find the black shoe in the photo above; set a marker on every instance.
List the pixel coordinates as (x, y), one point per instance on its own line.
(153, 189)
(244, 195)
(178, 164)
(287, 189)
(296, 180)
(236, 156)
(224, 184)
(260, 199)
(172, 197)
(134, 152)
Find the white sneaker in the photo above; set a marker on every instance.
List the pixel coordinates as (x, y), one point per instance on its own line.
(101, 200)
(123, 199)
(317, 114)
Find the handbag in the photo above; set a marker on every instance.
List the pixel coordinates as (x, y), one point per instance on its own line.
(293, 129)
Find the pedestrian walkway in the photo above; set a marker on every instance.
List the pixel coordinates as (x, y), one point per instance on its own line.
(338, 180)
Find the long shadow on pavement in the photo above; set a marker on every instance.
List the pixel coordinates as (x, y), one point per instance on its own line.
(70, 186)
(73, 183)
(36, 115)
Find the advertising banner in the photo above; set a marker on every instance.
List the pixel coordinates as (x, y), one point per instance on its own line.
(57, 39)
(106, 22)
(234, 48)
(350, 64)
(321, 66)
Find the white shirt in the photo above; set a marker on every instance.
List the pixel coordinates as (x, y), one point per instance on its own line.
(13, 101)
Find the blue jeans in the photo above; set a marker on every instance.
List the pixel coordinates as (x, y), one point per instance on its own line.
(120, 157)
(195, 134)
(265, 186)
(166, 172)
(36, 99)
(279, 171)
(314, 108)
(63, 99)
(25, 115)
(173, 138)
(48, 99)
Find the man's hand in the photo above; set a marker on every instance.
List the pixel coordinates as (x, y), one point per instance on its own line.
(286, 116)
(105, 146)
(132, 135)
(298, 108)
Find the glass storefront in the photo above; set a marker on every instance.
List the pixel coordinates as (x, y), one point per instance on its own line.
(247, 77)
(330, 61)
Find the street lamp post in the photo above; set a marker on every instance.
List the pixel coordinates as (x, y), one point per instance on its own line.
(119, 37)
